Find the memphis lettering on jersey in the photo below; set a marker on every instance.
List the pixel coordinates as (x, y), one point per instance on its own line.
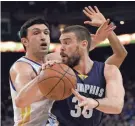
(90, 89)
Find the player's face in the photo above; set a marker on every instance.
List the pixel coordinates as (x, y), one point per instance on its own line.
(38, 37)
(69, 49)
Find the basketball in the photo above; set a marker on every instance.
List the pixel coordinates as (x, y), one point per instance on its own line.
(57, 81)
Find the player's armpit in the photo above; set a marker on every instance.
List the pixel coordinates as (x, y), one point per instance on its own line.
(114, 99)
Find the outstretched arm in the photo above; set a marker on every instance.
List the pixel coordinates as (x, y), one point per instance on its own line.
(97, 19)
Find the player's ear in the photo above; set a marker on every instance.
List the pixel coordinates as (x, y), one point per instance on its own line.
(24, 41)
(84, 44)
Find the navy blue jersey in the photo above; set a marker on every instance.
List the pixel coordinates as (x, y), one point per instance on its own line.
(92, 85)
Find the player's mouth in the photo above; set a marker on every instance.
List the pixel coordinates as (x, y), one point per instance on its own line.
(63, 55)
(44, 46)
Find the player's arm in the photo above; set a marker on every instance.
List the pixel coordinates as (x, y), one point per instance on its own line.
(102, 33)
(26, 84)
(97, 19)
(114, 97)
(119, 52)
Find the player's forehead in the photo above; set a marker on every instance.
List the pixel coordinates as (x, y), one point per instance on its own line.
(38, 27)
(66, 36)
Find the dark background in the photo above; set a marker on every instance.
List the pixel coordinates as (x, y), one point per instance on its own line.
(14, 14)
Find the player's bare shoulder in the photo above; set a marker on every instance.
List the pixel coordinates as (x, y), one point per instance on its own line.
(23, 70)
(111, 68)
(112, 72)
(20, 67)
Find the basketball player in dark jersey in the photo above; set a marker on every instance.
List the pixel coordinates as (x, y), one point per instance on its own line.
(99, 85)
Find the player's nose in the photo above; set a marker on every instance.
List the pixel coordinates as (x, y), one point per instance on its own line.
(43, 37)
(62, 48)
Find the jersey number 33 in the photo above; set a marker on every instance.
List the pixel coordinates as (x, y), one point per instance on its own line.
(77, 112)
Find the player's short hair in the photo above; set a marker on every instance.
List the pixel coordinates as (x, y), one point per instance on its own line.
(81, 33)
(29, 23)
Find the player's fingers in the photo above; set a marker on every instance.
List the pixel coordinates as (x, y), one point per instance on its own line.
(91, 9)
(88, 10)
(96, 8)
(85, 108)
(79, 97)
(110, 26)
(57, 61)
(43, 66)
(87, 14)
(51, 63)
(111, 29)
(108, 20)
(88, 22)
(83, 103)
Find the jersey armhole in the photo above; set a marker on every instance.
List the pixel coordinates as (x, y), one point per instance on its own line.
(10, 80)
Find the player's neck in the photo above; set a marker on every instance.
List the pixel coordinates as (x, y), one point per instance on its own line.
(84, 65)
(38, 59)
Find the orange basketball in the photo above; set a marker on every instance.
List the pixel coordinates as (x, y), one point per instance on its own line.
(57, 81)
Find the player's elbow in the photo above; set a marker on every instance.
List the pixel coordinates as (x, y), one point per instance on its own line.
(118, 110)
(19, 102)
(118, 107)
(122, 55)
(114, 110)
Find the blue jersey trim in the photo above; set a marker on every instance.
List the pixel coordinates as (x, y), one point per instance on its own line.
(11, 83)
(32, 61)
(30, 65)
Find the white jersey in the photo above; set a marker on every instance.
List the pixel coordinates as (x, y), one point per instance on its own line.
(35, 114)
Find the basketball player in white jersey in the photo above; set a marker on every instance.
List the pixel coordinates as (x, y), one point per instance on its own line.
(35, 36)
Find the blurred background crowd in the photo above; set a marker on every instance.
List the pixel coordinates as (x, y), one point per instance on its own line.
(59, 14)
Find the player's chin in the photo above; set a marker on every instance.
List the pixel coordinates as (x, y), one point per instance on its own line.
(44, 51)
(64, 60)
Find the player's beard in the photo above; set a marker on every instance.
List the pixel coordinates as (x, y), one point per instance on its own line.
(73, 60)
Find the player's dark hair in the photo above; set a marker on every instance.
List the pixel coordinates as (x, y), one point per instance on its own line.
(29, 23)
(81, 33)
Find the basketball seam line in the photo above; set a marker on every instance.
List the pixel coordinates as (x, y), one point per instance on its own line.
(57, 82)
(49, 78)
(63, 92)
(62, 74)
(65, 71)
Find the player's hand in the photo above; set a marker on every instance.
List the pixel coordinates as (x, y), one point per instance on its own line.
(86, 103)
(50, 63)
(96, 17)
(103, 31)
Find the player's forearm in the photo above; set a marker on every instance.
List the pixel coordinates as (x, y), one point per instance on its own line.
(110, 105)
(28, 94)
(93, 45)
(117, 47)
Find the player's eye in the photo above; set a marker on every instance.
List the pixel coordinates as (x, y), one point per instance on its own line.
(36, 32)
(67, 42)
(46, 32)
